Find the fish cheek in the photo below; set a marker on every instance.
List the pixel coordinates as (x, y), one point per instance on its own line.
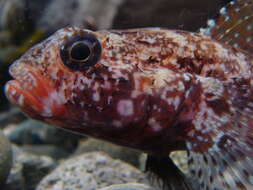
(123, 112)
(130, 110)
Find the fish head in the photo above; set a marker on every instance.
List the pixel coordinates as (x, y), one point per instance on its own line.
(95, 83)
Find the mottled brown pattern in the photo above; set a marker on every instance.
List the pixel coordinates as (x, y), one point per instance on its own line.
(219, 106)
(150, 72)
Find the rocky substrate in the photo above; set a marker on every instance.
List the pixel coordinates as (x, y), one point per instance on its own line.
(36, 156)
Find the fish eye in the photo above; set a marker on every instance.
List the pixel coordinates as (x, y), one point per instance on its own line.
(81, 52)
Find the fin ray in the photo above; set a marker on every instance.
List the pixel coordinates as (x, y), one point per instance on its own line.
(234, 25)
(221, 150)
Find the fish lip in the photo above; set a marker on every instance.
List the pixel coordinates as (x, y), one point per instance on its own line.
(33, 93)
(14, 89)
(17, 95)
(10, 94)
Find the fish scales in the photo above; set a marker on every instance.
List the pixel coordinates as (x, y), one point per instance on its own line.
(152, 89)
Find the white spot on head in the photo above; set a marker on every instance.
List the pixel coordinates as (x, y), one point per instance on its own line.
(82, 103)
(249, 27)
(117, 123)
(155, 126)
(135, 93)
(248, 39)
(13, 92)
(200, 138)
(52, 101)
(186, 76)
(236, 45)
(191, 133)
(21, 100)
(236, 35)
(106, 85)
(176, 102)
(125, 107)
(96, 96)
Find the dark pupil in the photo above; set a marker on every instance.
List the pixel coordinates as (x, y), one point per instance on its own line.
(80, 51)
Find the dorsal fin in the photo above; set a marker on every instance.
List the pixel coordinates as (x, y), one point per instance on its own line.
(234, 25)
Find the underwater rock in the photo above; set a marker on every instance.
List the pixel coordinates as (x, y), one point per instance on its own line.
(91, 171)
(117, 152)
(52, 151)
(35, 168)
(181, 160)
(5, 159)
(33, 132)
(129, 186)
(28, 170)
(10, 117)
(16, 180)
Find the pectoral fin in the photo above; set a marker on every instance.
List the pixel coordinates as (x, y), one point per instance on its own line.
(166, 174)
(221, 144)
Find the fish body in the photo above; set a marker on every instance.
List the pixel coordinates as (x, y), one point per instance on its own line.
(152, 89)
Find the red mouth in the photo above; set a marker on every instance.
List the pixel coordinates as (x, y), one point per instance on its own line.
(36, 98)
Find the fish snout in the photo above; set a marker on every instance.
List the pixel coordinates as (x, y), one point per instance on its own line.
(33, 92)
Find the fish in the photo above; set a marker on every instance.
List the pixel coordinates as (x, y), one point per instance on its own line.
(155, 90)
